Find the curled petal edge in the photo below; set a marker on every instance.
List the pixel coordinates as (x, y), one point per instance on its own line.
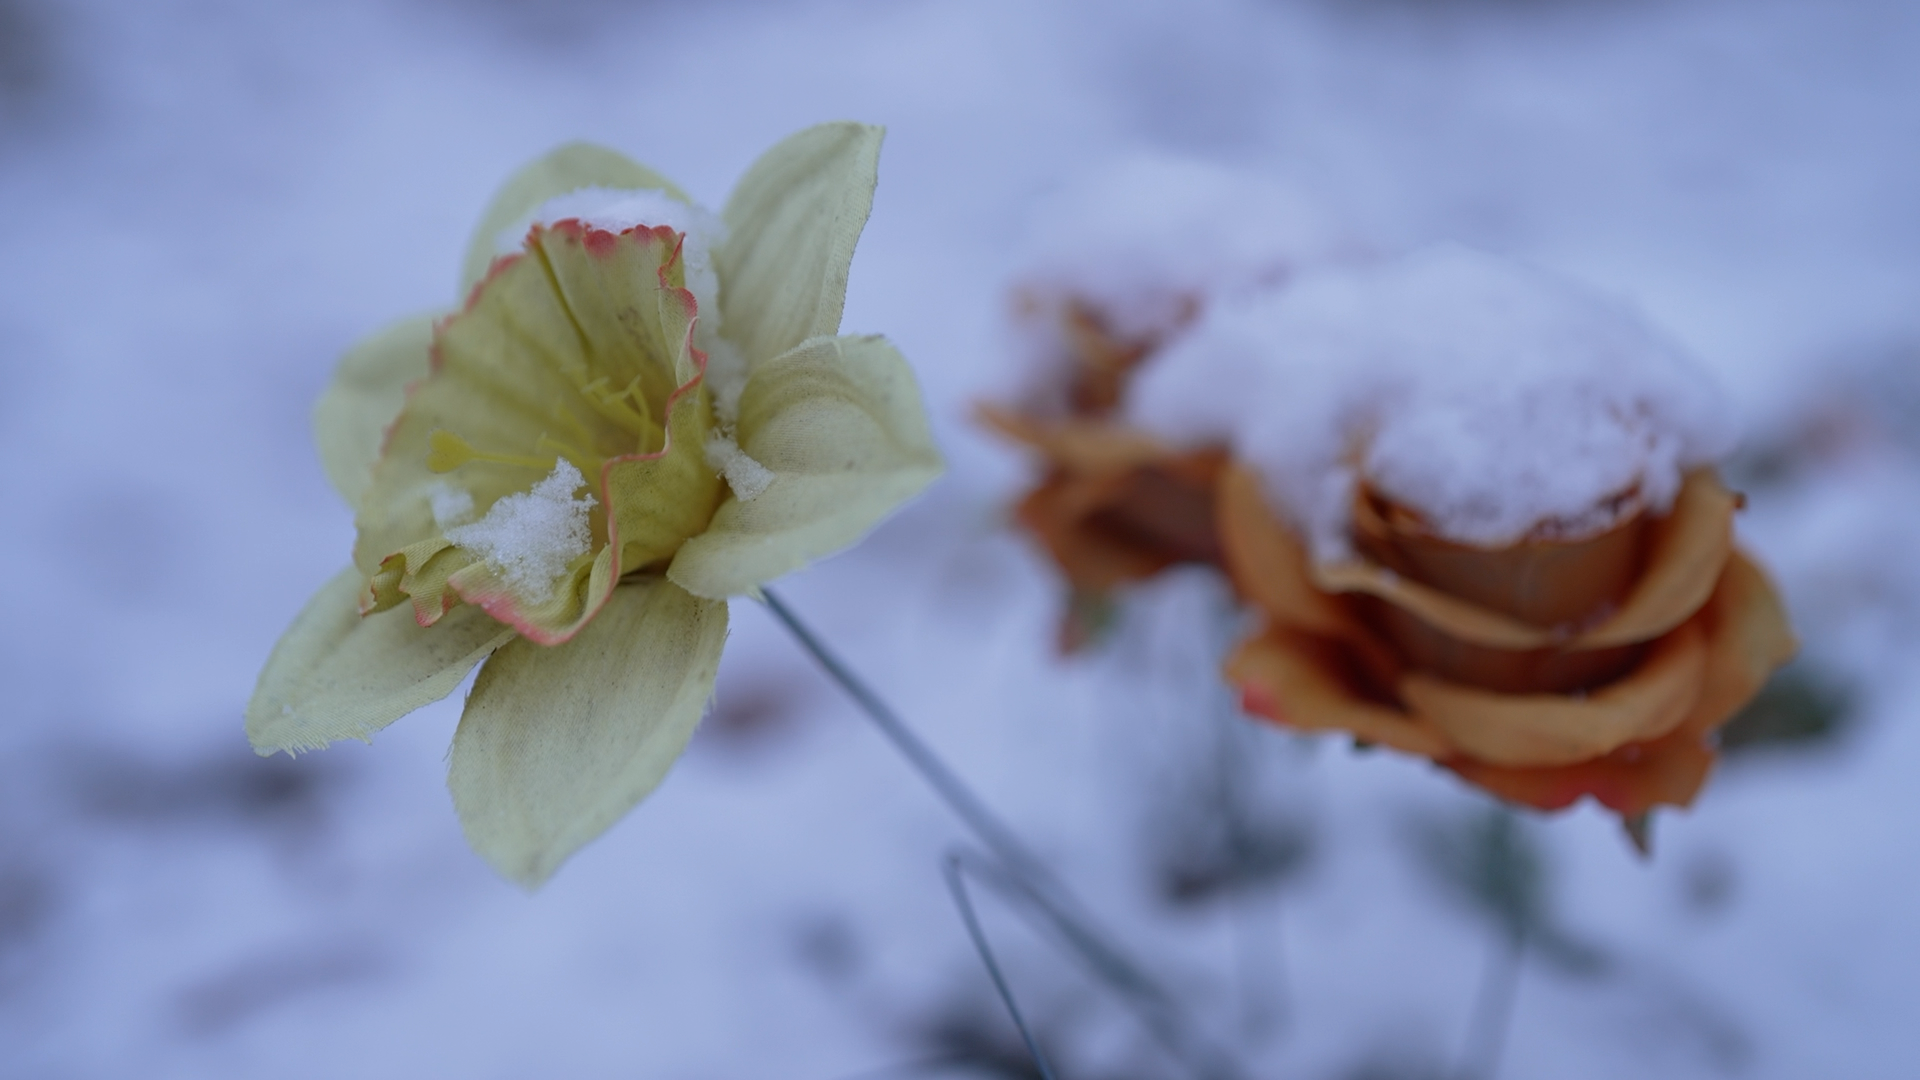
(1744, 636)
(1688, 549)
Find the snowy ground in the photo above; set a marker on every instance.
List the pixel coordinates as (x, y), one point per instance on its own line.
(209, 200)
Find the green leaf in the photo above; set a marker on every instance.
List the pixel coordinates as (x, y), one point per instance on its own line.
(839, 424)
(558, 742)
(335, 675)
(368, 389)
(567, 168)
(792, 223)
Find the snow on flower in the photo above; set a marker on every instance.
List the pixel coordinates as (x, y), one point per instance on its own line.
(1474, 505)
(1496, 400)
(530, 538)
(683, 368)
(1123, 262)
(1125, 257)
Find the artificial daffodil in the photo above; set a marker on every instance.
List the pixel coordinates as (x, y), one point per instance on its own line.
(641, 410)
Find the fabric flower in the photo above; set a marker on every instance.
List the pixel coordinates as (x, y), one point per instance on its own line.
(1112, 507)
(641, 410)
(1465, 655)
(1121, 264)
(1474, 504)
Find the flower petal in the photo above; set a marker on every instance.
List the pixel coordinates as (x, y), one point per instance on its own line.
(1075, 443)
(1558, 729)
(1062, 514)
(1268, 563)
(566, 168)
(336, 675)
(536, 366)
(1549, 583)
(1685, 556)
(1686, 551)
(369, 388)
(558, 742)
(839, 424)
(1294, 679)
(1747, 638)
(1668, 771)
(792, 223)
(656, 501)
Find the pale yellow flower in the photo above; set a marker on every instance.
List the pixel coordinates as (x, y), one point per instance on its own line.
(567, 478)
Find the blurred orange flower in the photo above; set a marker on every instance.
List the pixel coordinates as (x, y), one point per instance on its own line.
(1542, 671)
(1113, 505)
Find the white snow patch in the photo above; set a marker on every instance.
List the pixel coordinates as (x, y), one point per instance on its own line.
(1495, 399)
(747, 477)
(451, 505)
(726, 379)
(617, 210)
(530, 538)
(1148, 241)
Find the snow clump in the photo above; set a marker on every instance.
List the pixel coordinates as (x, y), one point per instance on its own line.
(1146, 243)
(530, 538)
(1498, 401)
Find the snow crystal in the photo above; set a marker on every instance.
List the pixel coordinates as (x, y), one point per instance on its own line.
(1495, 399)
(726, 379)
(451, 505)
(619, 210)
(747, 477)
(1146, 242)
(530, 538)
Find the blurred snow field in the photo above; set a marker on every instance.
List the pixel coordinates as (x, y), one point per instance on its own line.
(287, 178)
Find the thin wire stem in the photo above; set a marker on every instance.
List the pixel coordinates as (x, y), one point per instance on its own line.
(1015, 867)
(957, 885)
(985, 824)
(1156, 1009)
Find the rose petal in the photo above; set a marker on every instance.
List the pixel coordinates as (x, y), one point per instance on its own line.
(1090, 525)
(1077, 444)
(1684, 558)
(558, 742)
(839, 424)
(792, 223)
(1559, 729)
(1630, 781)
(1685, 555)
(1267, 562)
(1091, 560)
(1297, 679)
(566, 168)
(1748, 637)
(368, 389)
(335, 675)
(1551, 584)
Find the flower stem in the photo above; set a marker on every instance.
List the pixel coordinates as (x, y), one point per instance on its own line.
(957, 885)
(1016, 868)
(952, 790)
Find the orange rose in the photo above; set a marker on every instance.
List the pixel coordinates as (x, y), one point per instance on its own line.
(1542, 671)
(1123, 262)
(1113, 505)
